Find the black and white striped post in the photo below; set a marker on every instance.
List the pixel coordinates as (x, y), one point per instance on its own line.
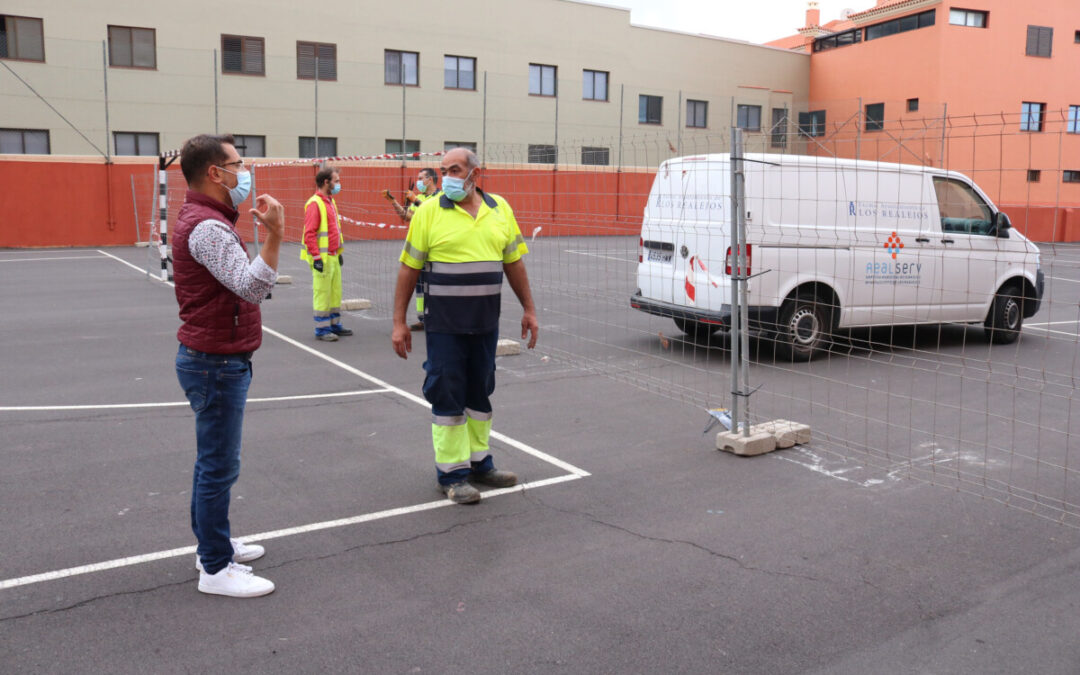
(163, 211)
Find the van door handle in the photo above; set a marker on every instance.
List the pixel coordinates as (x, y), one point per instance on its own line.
(948, 241)
(923, 240)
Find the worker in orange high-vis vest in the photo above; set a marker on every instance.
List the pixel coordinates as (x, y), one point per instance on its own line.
(323, 246)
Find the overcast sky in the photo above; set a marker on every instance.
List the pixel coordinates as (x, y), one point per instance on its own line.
(752, 20)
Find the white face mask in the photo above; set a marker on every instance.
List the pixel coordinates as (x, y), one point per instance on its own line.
(243, 186)
(421, 186)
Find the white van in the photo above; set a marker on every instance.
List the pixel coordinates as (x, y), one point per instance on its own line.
(833, 244)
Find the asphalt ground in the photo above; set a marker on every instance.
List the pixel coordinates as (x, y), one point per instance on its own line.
(636, 546)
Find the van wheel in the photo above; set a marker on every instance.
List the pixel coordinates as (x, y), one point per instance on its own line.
(804, 327)
(696, 329)
(1006, 317)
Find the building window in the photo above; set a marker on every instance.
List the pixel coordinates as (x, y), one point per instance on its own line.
(250, 146)
(24, 141)
(542, 80)
(1039, 41)
(1071, 176)
(327, 147)
(450, 145)
(913, 105)
(848, 37)
(393, 147)
(595, 156)
(812, 123)
(901, 25)
(243, 55)
(778, 135)
(541, 154)
(1076, 37)
(22, 38)
(132, 47)
(135, 143)
(967, 17)
(1074, 120)
(1031, 116)
(307, 53)
(1033, 175)
(697, 114)
(459, 72)
(401, 67)
(594, 85)
(650, 109)
(875, 116)
(748, 117)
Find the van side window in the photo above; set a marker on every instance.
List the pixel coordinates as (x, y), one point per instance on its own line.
(962, 210)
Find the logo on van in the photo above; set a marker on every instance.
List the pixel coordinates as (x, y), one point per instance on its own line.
(893, 245)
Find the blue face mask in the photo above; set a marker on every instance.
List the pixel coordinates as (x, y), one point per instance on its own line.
(454, 188)
(336, 189)
(243, 187)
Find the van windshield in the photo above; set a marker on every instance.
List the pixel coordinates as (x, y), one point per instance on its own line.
(962, 210)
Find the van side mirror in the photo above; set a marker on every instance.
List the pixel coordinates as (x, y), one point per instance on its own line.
(1002, 224)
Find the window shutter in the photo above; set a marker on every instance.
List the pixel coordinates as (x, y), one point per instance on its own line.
(1046, 41)
(28, 39)
(232, 55)
(142, 48)
(253, 56)
(327, 62)
(119, 46)
(305, 60)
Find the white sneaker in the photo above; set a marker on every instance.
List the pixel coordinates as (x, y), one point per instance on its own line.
(235, 581)
(241, 553)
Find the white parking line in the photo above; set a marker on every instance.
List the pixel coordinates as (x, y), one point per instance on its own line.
(63, 257)
(574, 473)
(598, 255)
(1071, 281)
(174, 404)
(274, 534)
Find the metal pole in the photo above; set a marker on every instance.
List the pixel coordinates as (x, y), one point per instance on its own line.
(215, 94)
(255, 226)
(622, 110)
(135, 209)
(858, 131)
(944, 124)
(483, 124)
(316, 101)
(679, 123)
(744, 287)
(163, 217)
(736, 318)
(403, 114)
(105, 74)
(555, 159)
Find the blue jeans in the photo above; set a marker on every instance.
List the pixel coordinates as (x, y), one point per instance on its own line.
(216, 386)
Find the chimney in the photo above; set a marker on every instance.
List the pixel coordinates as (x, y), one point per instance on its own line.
(813, 14)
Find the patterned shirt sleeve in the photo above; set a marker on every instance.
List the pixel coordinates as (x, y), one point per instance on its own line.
(214, 246)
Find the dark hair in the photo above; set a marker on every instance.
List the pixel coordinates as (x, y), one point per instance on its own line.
(430, 173)
(325, 173)
(200, 152)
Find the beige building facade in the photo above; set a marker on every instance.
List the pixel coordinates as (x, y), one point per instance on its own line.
(519, 80)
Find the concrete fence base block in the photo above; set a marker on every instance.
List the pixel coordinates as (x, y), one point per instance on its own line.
(746, 446)
(356, 303)
(284, 279)
(764, 437)
(507, 347)
(141, 244)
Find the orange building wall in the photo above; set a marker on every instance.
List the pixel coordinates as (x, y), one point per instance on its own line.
(983, 75)
(84, 202)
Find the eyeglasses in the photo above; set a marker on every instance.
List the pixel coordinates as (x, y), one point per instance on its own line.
(239, 163)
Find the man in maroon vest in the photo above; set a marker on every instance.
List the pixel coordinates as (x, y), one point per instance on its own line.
(219, 293)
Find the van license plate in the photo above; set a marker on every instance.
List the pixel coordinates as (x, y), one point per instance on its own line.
(660, 256)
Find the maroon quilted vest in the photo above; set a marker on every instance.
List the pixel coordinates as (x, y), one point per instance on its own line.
(214, 319)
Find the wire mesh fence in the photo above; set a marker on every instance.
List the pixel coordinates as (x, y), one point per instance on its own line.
(907, 378)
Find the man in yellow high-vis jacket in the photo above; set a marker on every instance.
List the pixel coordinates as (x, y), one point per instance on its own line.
(323, 246)
(465, 241)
